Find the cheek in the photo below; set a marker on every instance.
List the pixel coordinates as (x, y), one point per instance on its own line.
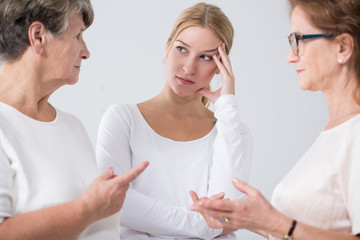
(208, 71)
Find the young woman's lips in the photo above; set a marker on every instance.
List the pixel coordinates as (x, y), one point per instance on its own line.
(185, 81)
(299, 70)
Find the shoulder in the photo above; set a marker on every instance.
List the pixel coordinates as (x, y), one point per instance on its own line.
(119, 114)
(120, 111)
(67, 117)
(354, 131)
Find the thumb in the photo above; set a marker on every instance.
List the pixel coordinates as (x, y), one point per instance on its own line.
(205, 93)
(109, 173)
(242, 186)
(212, 96)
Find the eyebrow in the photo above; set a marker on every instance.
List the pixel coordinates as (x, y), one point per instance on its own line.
(211, 50)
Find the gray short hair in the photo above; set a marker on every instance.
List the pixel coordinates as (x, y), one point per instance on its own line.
(16, 17)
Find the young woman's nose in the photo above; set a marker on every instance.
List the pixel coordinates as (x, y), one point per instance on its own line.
(190, 66)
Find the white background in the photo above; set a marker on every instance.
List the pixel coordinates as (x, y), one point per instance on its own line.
(127, 43)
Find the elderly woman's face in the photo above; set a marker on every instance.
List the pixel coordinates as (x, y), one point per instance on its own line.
(64, 54)
(317, 62)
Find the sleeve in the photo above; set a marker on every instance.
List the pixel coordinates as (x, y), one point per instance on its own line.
(6, 197)
(232, 149)
(140, 212)
(351, 181)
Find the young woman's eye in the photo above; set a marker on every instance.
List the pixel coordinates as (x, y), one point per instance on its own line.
(181, 49)
(78, 36)
(206, 58)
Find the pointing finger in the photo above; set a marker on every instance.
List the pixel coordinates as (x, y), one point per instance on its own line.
(133, 173)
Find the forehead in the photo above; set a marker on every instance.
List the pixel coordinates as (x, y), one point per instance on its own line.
(301, 22)
(76, 22)
(199, 37)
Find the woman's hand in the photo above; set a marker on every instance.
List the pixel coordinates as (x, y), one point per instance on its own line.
(106, 194)
(254, 213)
(227, 77)
(211, 222)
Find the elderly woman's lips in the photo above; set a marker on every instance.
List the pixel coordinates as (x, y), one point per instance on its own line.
(299, 70)
(185, 81)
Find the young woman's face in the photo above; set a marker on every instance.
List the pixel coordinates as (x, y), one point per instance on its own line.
(190, 65)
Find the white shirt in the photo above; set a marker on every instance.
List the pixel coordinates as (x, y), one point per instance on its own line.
(43, 164)
(323, 188)
(156, 206)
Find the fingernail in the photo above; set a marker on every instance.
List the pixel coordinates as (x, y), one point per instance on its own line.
(109, 168)
(235, 180)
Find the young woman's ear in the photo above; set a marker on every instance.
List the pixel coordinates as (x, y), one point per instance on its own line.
(37, 37)
(346, 47)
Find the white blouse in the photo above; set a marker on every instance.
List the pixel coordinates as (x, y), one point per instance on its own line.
(323, 188)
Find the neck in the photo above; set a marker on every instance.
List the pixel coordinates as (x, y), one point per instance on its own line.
(22, 87)
(179, 105)
(342, 100)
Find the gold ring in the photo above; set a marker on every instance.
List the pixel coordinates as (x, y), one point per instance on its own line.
(224, 220)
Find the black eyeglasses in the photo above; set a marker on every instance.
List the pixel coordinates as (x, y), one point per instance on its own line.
(294, 39)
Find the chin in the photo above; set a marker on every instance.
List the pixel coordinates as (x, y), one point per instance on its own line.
(72, 81)
(305, 85)
(182, 92)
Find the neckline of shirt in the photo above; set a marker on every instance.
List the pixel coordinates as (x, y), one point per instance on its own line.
(342, 125)
(142, 119)
(17, 112)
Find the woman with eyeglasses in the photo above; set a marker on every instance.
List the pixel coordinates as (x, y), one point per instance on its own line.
(189, 146)
(320, 197)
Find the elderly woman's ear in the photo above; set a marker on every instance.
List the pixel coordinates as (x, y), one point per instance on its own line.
(346, 47)
(37, 37)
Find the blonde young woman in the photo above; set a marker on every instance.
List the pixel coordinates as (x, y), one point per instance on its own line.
(50, 186)
(320, 197)
(189, 146)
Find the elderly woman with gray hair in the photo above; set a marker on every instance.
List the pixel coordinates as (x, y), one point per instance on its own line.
(49, 187)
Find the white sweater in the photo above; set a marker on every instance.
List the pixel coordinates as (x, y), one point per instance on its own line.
(43, 164)
(156, 206)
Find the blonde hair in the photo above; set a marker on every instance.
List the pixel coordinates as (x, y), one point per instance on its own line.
(206, 16)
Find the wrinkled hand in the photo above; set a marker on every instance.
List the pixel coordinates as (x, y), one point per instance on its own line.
(254, 213)
(106, 194)
(227, 77)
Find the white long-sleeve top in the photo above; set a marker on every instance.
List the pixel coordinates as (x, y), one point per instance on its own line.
(156, 206)
(44, 164)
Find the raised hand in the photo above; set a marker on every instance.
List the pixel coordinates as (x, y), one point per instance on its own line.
(227, 77)
(106, 194)
(254, 213)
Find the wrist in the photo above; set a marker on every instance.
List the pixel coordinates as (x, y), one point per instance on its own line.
(85, 212)
(280, 226)
(284, 234)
